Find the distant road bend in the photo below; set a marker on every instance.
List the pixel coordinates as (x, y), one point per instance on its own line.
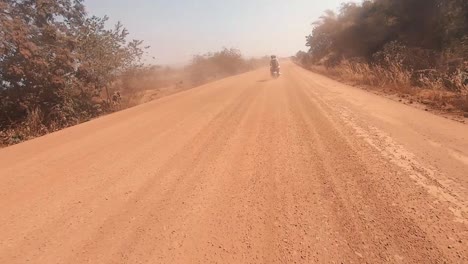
(300, 169)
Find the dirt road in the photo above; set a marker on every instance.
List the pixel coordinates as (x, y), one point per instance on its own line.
(300, 169)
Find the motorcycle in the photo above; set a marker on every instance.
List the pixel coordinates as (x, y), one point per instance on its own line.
(275, 72)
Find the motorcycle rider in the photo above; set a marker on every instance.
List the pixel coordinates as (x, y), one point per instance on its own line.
(274, 64)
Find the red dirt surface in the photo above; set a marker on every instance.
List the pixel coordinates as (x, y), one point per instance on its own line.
(248, 169)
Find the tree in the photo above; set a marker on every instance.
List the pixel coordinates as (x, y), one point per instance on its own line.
(361, 30)
(55, 61)
(216, 65)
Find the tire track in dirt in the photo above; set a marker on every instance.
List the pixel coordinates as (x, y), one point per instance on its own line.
(432, 214)
(349, 181)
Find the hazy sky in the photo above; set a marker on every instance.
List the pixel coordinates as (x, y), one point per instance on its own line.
(178, 29)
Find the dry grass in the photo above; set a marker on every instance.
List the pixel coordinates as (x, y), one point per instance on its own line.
(395, 79)
(364, 74)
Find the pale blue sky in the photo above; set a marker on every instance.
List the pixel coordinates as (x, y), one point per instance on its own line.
(178, 29)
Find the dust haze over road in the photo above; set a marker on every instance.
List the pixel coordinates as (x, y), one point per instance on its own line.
(247, 169)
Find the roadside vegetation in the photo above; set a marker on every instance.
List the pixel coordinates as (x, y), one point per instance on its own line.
(217, 65)
(60, 66)
(57, 65)
(415, 48)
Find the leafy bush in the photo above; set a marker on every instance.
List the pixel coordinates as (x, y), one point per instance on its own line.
(55, 62)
